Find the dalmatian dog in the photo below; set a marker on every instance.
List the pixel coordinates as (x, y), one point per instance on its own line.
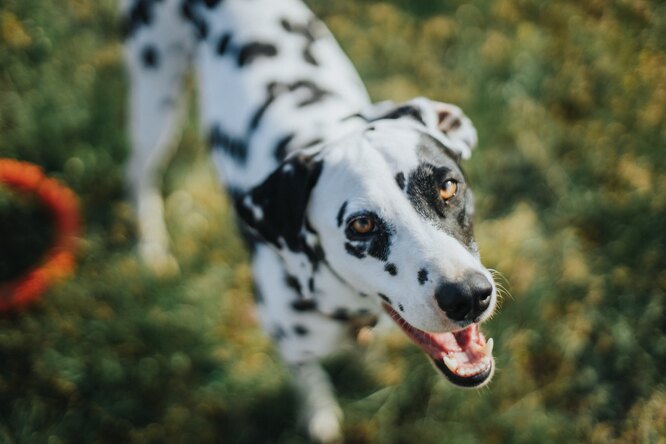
(351, 209)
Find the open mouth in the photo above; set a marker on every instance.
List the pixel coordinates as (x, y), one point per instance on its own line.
(464, 356)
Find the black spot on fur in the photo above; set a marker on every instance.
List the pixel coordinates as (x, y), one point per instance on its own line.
(304, 305)
(275, 90)
(385, 298)
(391, 269)
(317, 252)
(401, 307)
(400, 179)
(202, 29)
(150, 57)
(259, 113)
(281, 148)
(405, 111)
(380, 245)
(223, 43)
(190, 14)
(187, 9)
(341, 213)
(286, 24)
(244, 54)
(317, 94)
(278, 333)
(423, 190)
(310, 31)
(453, 216)
(251, 51)
(354, 116)
(423, 276)
(307, 55)
(212, 3)
(292, 283)
(311, 284)
(313, 142)
(300, 330)
(234, 147)
(139, 14)
(354, 250)
(283, 198)
(340, 314)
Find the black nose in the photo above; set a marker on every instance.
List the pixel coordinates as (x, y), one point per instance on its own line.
(464, 300)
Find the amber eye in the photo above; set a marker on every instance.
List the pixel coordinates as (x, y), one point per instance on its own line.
(448, 189)
(362, 225)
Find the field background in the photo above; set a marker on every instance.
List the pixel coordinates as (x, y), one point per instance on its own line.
(569, 99)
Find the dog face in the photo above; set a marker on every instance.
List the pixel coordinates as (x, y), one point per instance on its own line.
(389, 211)
(394, 217)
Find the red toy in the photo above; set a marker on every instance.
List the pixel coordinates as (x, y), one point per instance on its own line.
(59, 260)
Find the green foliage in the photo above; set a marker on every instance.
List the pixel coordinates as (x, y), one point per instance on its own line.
(568, 98)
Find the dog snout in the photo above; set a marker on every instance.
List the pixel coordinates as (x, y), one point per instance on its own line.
(466, 299)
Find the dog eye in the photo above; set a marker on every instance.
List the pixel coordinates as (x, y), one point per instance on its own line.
(448, 189)
(362, 225)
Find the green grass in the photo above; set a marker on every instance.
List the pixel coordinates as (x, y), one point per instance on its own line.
(569, 101)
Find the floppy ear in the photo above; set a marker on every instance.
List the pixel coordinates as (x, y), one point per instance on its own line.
(275, 210)
(448, 122)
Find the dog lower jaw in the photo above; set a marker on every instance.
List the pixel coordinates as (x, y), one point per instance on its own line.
(464, 357)
(474, 381)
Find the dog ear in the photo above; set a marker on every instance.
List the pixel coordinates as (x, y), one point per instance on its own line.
(276, 211)
(448, 122)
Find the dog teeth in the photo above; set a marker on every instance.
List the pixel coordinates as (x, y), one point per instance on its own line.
(474, 370)
(489, 346)
(451, 363)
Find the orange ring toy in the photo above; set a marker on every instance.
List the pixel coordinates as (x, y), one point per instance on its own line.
(58, 262)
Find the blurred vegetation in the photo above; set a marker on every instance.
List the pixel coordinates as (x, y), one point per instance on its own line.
(569, 98)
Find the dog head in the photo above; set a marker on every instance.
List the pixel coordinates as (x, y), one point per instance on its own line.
(388, 209)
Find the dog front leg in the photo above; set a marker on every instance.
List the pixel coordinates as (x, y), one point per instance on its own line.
(303, 336)
(321, 413)
(157, 55)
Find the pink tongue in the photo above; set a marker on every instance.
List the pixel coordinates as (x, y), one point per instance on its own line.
(448, 342)
(470, 345)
